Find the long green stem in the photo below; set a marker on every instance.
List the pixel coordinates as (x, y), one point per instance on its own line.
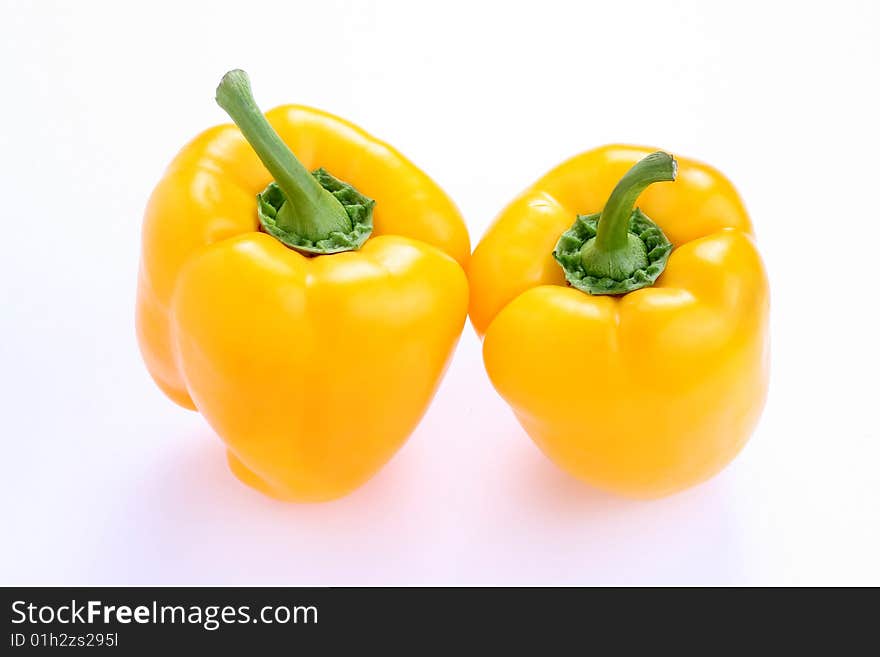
(309, 209)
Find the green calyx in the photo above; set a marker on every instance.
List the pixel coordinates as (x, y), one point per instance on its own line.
(313, 213)
(271, 203)
(619, 249)
(636, 266)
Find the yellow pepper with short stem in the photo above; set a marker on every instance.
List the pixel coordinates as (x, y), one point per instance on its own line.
(637, 379)
(312, 326)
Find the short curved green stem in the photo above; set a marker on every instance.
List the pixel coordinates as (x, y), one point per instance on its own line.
(308, 209)
(614, 219)
(620, 249)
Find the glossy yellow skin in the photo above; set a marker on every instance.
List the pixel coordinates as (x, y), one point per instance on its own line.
(314, 371)
(643, 394)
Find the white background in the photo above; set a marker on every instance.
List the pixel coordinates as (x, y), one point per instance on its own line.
(104, 481)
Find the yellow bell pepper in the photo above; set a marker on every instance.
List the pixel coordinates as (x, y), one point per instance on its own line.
(638, 380)
(310, 326)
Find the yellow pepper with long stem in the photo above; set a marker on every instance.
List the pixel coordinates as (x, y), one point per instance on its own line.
(631, 343)
(310, 326)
